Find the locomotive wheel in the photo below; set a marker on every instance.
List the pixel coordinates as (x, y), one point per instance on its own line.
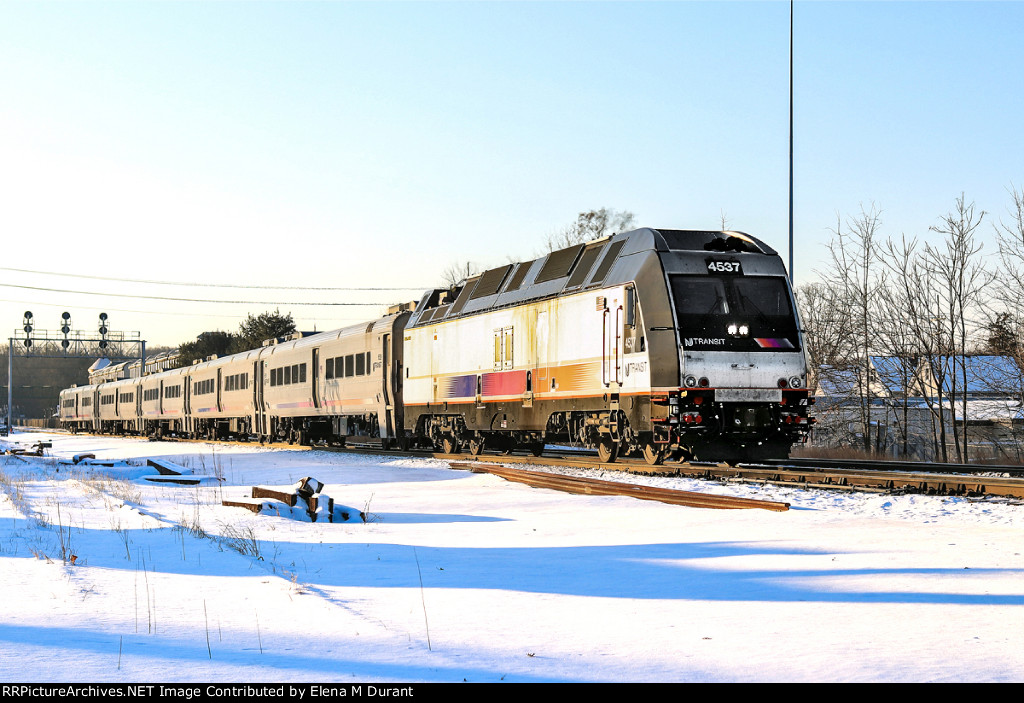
(537, 448)
(476, 446)
(681, 455)
(449, 445)
(652, 454)
(607, 451)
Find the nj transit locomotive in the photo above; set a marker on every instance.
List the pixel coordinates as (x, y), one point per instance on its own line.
(651, 342)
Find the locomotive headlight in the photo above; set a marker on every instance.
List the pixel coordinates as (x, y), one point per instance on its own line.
(690, 381)
(795, 382)
(744, 330)
(732, 329)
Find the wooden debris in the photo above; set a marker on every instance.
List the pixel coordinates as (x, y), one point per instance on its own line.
(253, 505)
(308, 490)
(283, 496)
(165, 467)
(180, 480)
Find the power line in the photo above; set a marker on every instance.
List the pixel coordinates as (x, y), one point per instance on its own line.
(188, 300)
(203, 285)
(161, 313)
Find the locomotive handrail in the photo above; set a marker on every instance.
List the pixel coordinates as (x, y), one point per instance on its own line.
(618, 340)
(604, 346)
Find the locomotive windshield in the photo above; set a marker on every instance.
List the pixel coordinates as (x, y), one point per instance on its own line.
(734, 313)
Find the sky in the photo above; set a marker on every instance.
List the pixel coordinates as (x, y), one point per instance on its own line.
(366, 146)
(463, 576)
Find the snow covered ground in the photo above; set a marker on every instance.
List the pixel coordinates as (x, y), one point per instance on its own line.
(458, 576)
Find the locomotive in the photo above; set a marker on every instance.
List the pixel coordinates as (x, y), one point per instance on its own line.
(654, 342)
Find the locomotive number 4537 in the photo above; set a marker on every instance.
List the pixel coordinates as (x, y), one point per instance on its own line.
(715, 266)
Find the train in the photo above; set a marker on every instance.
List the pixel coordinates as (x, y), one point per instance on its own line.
(660, 343)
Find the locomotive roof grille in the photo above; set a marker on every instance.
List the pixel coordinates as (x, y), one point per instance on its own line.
(608, 260)
(464, 296)
(490, 282)
(579, 274)
(519, 276)
(559, 264)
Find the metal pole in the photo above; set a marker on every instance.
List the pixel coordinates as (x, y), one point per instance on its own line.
(10, 382)
(791, 142)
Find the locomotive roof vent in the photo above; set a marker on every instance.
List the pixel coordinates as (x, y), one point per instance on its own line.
(731, 243)
(702, 240)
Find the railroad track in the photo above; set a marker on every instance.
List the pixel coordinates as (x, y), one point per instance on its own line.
(856, 475)
(896, 465)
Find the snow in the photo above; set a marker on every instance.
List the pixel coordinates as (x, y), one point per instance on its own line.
(459, 576)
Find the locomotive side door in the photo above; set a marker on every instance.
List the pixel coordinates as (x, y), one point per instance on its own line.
(317, 401)
(612, 314)
(187, 405)
(387, 429)
(542, 335)
(258, 405)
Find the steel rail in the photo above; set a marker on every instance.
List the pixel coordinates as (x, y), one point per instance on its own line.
(896, 465)
(593, 486)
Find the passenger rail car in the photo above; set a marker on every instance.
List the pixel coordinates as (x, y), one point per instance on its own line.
(323, 387)
(76, 408)
(650, 342)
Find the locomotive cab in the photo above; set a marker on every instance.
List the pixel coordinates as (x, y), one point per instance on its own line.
(741, 393)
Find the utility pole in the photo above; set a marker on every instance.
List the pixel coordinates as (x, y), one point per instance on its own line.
(791, 142)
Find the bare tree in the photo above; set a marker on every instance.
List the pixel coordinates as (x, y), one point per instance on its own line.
(962, 280)
(913, 295)
(825, 323)
(458, 272)
(589, 225)
(1009, 297)
(853, 275)
(899, 350)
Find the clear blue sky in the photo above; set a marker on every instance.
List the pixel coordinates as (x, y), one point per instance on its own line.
(338, 144)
